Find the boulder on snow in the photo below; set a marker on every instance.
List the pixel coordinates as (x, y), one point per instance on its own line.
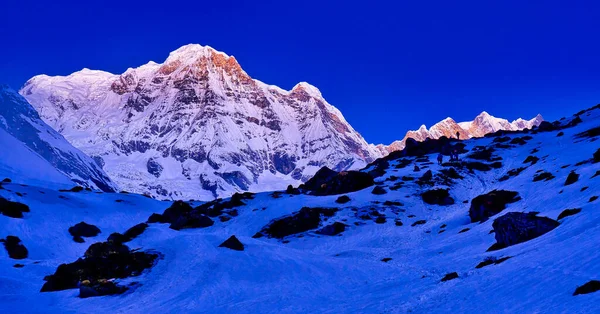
(426, 178)
(487, 205)
(83, 229)
(543, 176)
(450, 276)
(437, 197)
(101, 261)
(343, 199)
(99, 288)
(308, 218)
(233, 243)
(129, 235)
(14, 247)
(378, 190)
(514, 228)
(596, 157)
(588, 287)
(182, 216)
(329, 182)
(572, 178)
(12, 209)
(568, 212)
(332, 229)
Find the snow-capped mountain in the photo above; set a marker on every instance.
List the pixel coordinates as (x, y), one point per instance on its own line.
(483, 124)
(197, 126)
(33, 153)
(511, 228)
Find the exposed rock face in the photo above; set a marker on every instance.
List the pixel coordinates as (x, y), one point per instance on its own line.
(38, 144)
(304, 220)
(199, 115)
(14, 247)
(514, 228)
(329, 182)
(482, 124)
(12, 209)
(487, 205)
(233, 243)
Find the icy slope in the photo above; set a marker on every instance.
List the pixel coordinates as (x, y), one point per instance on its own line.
(197, 126)
(21, 123)
(313, 273)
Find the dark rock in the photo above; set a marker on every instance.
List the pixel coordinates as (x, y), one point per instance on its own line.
(304, 220)
(544, 176)
(479, 166)
(329, 182)
(437, 197)
(258, 235)
(83, 229)
(156, 218)
(588, 287)
(398, 222)
(568, 212)
(378, 190)
(450, 276)
(100, 288)
(380, 220)
(407, 178)
(560, 134)
(426, 178)
(153, 167)
(102, 260)
(419, 222)
(78, 239)
(291, 190)
(379, 167)
(487, 205)
(514, 228)
(14, 247)
(596, 174)
(416, 168)
(386, 259)
(593, 132)
(74, 189)
(596, 157)
(572, 178)
(451, 173)
(12, 209)
(392, 203)
(18, 265)
(233, 243)
(332, 229)
(532, 159)
(492, 260)
(464, 230)
(546, 126)
(511, 173)
(6, 180)
(482, 153)
(191, 222)
(593, 198)
(129, 235)
(518, 141)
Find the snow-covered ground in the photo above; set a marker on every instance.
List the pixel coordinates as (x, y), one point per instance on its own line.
(334, 274)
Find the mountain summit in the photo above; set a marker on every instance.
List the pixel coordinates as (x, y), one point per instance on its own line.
(197, 126)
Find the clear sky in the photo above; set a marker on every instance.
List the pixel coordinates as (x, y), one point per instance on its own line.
(389, 66)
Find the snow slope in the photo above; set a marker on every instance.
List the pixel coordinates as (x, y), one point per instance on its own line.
(197, 126)
(32, 148)
(337, 274)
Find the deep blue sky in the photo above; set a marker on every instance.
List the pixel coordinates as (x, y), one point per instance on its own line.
(388, 66)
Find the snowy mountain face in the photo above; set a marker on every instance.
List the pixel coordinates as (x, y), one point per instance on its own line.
(34, 153)
(197, 126)
(511, 228)
(483, 124)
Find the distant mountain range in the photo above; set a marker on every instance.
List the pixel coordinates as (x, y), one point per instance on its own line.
(483, 124)
(197, 126)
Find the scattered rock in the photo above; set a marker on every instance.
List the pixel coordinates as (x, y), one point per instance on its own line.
(560, 134)
(83, 229)
(6, 180)
(593, 132)
(487, 205)
(593, 198)
(450, 276)
(378, 190)
(437, 197)
(572, 178)
(426, 178)
(14, 247)
(292, 190)
(102, 260)
(531, 159)
(18, 265)
(182, 216)
(386, 259)
(329, 182)
(233, 243)
(398, 222)
(588, 287)
(544, 176)
(74, 189)
(99, 288)
(392, 203)
(464, 230)
(332, 229)
(416, 168)
(492, 260)
(584, 188)
(511, 173)
(304, 220)
(380, 220)
(343, 199)
(129, 235)
(568, 212)
(419, 222)
(514, 228)
(12, 209)
(596, 157)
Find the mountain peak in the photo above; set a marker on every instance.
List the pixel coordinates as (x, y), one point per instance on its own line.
(309, 89)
